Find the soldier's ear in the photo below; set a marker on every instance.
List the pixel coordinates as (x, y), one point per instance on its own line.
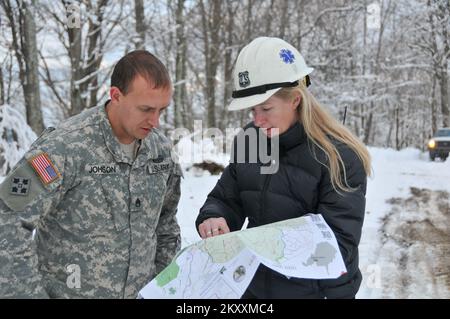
(115, 94)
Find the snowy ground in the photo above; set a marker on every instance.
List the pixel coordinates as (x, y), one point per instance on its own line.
(405, 247)
(405, 244)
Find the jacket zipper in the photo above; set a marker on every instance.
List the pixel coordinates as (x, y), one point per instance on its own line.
(262, 221)
(262, 218)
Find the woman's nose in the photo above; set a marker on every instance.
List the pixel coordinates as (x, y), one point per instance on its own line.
(258, 119)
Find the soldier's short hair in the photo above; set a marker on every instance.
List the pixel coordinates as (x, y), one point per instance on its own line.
(143, 63)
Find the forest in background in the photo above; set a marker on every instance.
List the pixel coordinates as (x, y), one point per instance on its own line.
(384, 61)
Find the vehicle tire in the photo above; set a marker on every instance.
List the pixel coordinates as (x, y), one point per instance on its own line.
(432, 156)
(444, 158)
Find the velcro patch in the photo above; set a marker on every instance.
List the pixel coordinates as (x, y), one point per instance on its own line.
(101, 169)
(20, 186)
(44, 168)
(164, 166)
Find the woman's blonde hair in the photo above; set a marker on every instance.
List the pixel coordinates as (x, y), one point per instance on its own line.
(320, 126)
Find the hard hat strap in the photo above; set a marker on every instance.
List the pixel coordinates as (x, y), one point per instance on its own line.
(262, 89)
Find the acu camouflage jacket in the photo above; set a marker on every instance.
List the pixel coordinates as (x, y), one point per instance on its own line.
(105, 223)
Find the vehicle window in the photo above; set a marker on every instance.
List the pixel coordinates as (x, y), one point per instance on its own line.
(443, 133)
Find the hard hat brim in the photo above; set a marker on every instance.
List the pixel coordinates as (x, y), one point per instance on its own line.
(250, 101)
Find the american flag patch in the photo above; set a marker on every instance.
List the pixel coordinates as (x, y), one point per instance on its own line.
(44, 168)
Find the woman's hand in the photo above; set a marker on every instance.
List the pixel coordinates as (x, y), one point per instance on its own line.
(213, 227)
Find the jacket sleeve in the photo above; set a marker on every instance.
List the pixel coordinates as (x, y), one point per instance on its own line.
(344, 211)
(224, 201)
(24, 199)
(168, 230)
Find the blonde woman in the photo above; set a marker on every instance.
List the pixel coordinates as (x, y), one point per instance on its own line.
(322, 168)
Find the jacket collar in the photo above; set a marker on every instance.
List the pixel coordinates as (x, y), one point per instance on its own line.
(294, 136)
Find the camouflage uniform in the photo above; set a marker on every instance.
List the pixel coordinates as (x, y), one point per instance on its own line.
(103, 213)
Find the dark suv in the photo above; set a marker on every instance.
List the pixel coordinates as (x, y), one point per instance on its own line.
(439, 144)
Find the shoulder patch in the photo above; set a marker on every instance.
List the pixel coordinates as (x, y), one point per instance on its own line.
(23, 185)
(44, 168)
(20, 186)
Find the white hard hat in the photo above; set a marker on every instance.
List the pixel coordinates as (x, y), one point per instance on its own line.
(263, 67)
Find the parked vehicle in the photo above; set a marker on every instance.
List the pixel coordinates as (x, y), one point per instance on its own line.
(439, 144)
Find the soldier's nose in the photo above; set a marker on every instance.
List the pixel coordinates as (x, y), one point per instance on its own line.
(154, 121)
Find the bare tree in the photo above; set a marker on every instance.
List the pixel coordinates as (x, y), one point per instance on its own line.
(432, 41)
(84, 28)
(2, 88)
(231, 9)
(23, 30)
(180, 66)
(140, 24)
(284, 24)
(269, 16)
(443, 20)
(211, 26)
(387, 6)
(393, 78)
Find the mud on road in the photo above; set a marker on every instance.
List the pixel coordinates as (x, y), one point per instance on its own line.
(416, 246)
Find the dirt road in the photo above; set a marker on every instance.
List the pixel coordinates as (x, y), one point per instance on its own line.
(416, 242)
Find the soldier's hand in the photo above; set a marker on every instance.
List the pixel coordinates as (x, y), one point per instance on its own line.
(213, 227)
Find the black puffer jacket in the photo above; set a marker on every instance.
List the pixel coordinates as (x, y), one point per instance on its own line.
(301, 185)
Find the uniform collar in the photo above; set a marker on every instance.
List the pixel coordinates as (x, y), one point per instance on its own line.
(149, 150)
(148, 147)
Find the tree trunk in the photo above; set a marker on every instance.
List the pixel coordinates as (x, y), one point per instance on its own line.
(76, 102)
(433, 107)
(389, 135)
(140, 23)
(376, 70)
(187, 114)
(211, 28)
(436, 71)
(84, 67)
(269, 17)
(30, 54)
(362, 108)
(243, 115)
(368, 128)
(74, 35)
(2, 88)
(180, 65)
(23, 33)
(284, 18)
(95, 55)
(228, 65)
(397, 128)
(444, 12)
(444, 96)
(299, 21)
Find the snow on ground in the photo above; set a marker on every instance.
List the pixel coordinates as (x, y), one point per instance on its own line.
(397, 265)
(195, 187)
(405, 244)
(392, 268)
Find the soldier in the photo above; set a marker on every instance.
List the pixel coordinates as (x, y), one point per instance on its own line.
(89, 211)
